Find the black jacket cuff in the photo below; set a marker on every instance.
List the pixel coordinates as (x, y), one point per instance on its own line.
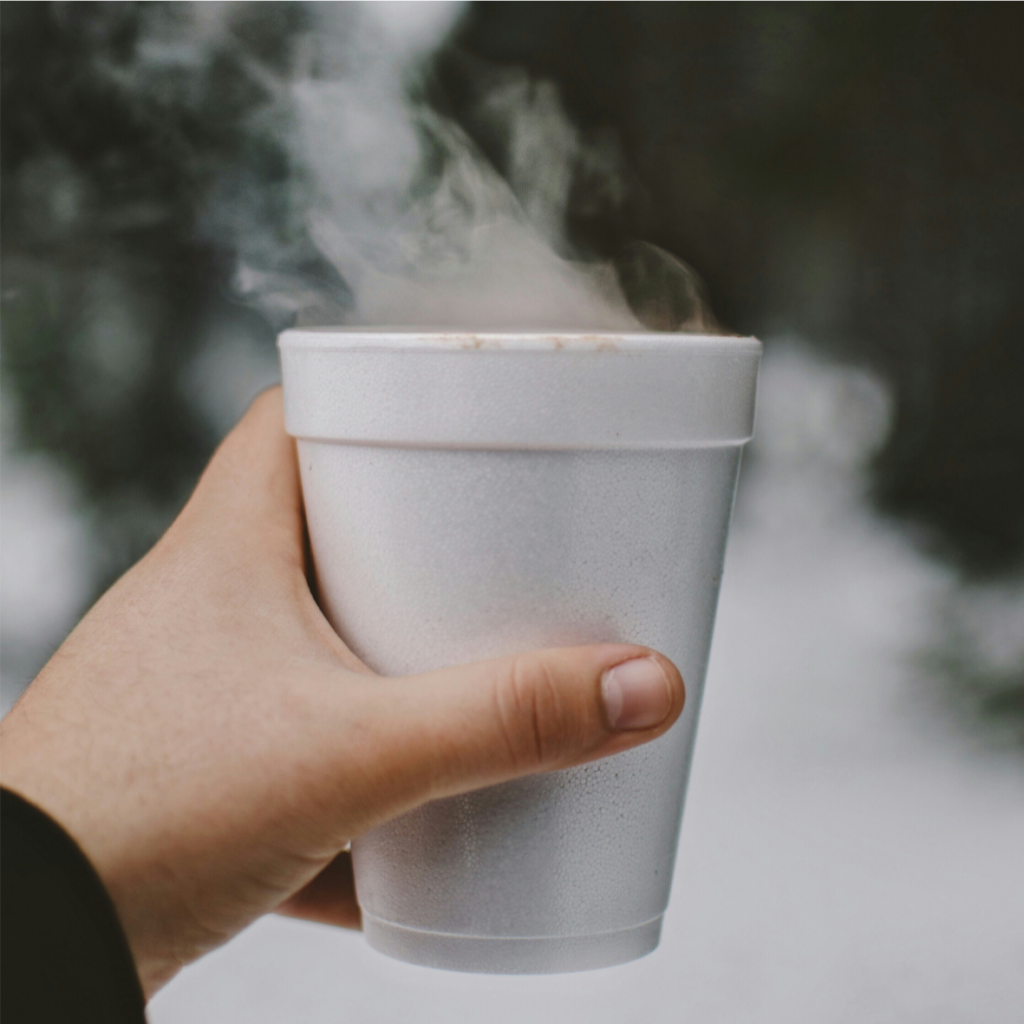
(64, 953)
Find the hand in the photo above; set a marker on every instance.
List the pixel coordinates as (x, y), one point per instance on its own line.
(212, 744)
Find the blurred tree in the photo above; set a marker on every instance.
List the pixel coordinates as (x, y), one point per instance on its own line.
(110, 288)
(848, 172)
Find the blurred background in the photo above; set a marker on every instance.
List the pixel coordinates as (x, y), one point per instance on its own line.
(847, 180)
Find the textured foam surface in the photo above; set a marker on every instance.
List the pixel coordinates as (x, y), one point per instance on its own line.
(427, 558)
(472, 495)
(513, 956)
(520, 391)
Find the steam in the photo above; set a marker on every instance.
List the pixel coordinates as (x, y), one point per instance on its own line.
(404, 222)
(355, 201)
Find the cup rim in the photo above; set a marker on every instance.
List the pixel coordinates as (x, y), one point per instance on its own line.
(554, 340)
(519, 390)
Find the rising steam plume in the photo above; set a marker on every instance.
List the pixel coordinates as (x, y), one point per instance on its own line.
(410, 223)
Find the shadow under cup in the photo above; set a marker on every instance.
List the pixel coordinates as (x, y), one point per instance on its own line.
(474, 495)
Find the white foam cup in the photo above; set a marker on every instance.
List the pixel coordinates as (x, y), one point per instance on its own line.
(471, 495)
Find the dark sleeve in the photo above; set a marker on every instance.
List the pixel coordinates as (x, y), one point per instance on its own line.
(63, 953)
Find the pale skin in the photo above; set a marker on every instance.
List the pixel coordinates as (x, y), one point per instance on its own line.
(213, 745)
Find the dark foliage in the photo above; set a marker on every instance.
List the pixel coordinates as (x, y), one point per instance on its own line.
(851, 172)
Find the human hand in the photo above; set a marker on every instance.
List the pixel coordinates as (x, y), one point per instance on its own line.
(212, 745)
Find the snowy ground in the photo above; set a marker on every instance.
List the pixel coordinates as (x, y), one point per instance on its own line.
(851, 850)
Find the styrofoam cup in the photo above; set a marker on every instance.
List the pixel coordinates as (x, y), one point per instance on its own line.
(474, 495)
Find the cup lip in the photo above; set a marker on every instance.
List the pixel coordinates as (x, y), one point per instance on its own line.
(526, 390)
(415, 339)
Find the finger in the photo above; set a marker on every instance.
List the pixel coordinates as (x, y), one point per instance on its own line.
(459, 729)
(253, 477)
(330, 898)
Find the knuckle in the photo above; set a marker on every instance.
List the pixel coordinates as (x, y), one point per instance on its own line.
(531, 713)
(268, 400)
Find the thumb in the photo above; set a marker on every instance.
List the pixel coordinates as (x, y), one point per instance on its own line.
(462, 728)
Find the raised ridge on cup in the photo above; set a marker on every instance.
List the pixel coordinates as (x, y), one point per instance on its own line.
(547, 954)
(523, 390)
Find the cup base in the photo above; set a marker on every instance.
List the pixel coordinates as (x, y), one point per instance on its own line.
(472, 954)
